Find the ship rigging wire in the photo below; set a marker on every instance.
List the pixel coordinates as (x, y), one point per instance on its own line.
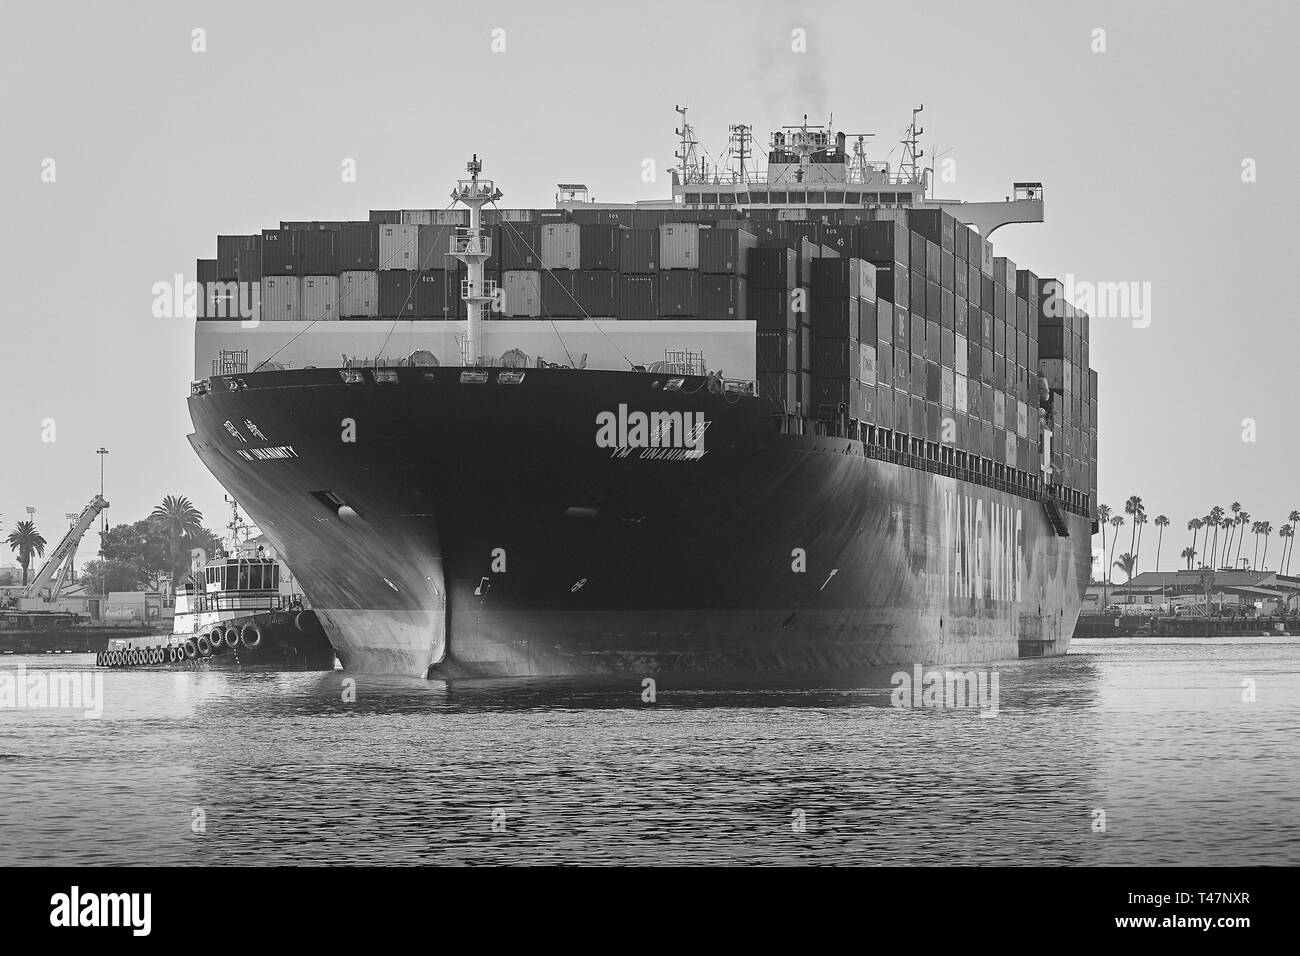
(585, 313)
(411, 292)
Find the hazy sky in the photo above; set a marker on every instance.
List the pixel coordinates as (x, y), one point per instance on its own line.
(158, 149)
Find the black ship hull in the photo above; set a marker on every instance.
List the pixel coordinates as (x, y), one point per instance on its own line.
(461, 528)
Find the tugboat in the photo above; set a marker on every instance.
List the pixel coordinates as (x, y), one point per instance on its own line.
(239, 611)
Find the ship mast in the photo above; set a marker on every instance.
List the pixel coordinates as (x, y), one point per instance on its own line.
(472, 246)
(237, 525)
(687, 154)
(912, 152)
(741, 138)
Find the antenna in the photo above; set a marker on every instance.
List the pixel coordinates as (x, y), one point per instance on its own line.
(741, 138)
(686, 154)
(912, 151)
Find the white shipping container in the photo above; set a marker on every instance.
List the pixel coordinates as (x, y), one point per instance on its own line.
(523, 293)
(451, 217)
(999, 408)
(959, 393)
(280, 299)
(947, 387)
(1022, 419)
(561, 245)
(1011, 450)
(867, 364)
(1054, 371)
(358, 295)
(791, 215)
(986, 257)
(399, 246)
(417, 217)
(960, 355)
(319, 298)
(679, 245)
(866, 281)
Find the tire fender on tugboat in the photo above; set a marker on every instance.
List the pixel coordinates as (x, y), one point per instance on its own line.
(251, 635)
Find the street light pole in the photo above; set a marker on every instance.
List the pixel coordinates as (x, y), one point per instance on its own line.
(101, 452)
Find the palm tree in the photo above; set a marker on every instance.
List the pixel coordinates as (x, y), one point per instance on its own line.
(1188, 553)
(1213, 519)
(27, 541)
(1116, 522)
(177, 518)
(1241, 519)
(1254, 527)
(1127, 563)
(1140, 519)
(1133, 508)
(1194, 526)
(1103, 519)
(1286, 533)
(1265, 529)
(1294, 518)
(1235, 508)
(1161, 522)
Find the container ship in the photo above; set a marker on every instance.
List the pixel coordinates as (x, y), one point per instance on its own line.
(794, 418)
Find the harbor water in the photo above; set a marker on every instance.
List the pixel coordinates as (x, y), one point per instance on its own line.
(1123, 752)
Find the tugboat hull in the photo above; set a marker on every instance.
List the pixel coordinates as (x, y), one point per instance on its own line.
(274, 640)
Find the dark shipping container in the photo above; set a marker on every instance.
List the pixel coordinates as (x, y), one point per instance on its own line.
(725, 251)
(771, 309)
(774, 267)
(723, 297)
(430, 294)
(519, 244)
(280, 256)
(835, 318)
(397, 294)
(357, 247)
(638, 297)
(558, 297)
(599, 246)
(679, 293)
(597, 292)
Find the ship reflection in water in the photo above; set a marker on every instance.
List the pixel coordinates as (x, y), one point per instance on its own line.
(281, 769)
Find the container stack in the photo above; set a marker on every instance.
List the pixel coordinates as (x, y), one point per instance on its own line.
(396, 266)
(679, 276)
(783, 364)
(948, 340)
(1072, 385)
(724, 270)
(843, 316)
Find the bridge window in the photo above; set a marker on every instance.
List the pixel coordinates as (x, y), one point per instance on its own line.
(816, 197)
(758, 196)
(708, 198)
(835, 197)
(779, 198)
(727, 199)
(853, 198)
(797, 196)
(693, 198)
(887, 198)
